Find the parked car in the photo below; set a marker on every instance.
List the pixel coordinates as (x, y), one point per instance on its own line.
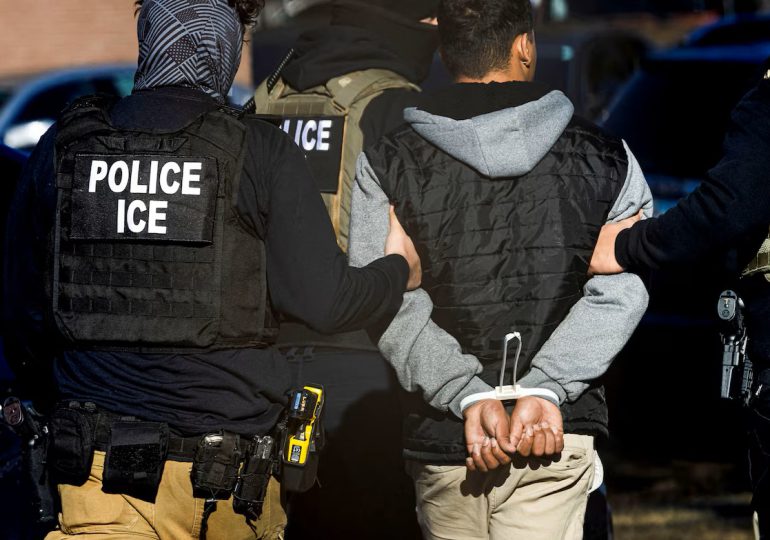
(29, 105)
(675, 110)
(734, 30)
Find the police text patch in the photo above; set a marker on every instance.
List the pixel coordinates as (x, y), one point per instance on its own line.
(321, 138)
(129, 197)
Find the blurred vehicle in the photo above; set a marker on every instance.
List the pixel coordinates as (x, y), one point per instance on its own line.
(30, 104)
(562, 9)
(736, 30)
(589, 64)
(675, 110)
(239, 94)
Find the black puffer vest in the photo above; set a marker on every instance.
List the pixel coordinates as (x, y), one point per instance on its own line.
(149, 254)
(502, 255)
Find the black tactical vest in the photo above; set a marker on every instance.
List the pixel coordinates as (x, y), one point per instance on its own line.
(149, 254)
(502, 255)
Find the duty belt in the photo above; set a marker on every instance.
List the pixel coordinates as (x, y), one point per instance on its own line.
(179, 448)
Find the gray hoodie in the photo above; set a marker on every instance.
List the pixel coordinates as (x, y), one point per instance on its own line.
(505, 143)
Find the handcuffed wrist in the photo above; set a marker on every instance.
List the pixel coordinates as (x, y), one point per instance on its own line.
(474, 386)
(536, 378)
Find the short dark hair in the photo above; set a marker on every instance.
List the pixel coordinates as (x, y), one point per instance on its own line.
(248, 10)
(477, 35)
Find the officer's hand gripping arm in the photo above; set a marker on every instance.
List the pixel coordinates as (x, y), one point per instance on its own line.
(583, 346)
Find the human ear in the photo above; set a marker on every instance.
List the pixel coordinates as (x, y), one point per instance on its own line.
(524, 50)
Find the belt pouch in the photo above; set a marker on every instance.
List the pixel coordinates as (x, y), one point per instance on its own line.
(296, 479)
(136, 452)
(72, 446)
(254, 478)
(215, 466)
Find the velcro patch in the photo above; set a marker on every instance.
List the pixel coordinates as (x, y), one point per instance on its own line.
(144, 197)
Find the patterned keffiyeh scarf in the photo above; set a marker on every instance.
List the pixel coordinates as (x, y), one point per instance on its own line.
(191, 43)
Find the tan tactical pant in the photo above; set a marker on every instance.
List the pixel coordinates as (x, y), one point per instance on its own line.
(175, 515)
(533, 499)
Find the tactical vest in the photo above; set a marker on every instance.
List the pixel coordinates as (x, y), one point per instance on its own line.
(324, 122)
(149, 254)
(501, 255)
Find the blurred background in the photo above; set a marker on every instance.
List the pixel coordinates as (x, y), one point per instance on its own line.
(662, 74)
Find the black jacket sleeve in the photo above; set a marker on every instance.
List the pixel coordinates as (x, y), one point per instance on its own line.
(731, 204)
(308, 275)
(385, 113)
(30, 221)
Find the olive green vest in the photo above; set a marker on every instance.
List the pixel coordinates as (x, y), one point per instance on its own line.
(346, 97)
(761, 263)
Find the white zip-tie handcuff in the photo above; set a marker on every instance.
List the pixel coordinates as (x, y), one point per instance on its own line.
(511, 391)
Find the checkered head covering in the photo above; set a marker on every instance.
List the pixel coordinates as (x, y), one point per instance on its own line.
(192, 43)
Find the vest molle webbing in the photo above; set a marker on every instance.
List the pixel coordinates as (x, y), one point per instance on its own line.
(149, 254)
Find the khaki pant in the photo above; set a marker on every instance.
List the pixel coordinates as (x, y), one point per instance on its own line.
(175, 514)
(533, 499)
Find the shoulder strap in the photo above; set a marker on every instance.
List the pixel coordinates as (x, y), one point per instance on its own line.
(84, 116)
(343, 91)
(348, 89)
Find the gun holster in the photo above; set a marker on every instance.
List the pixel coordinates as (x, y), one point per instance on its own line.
(737, 368)
(36, 487)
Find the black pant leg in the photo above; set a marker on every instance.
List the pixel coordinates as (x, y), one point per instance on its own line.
(759, 459)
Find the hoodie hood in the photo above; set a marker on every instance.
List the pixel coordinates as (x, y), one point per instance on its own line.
(189, 43)
(502, 143)
(329, 52)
